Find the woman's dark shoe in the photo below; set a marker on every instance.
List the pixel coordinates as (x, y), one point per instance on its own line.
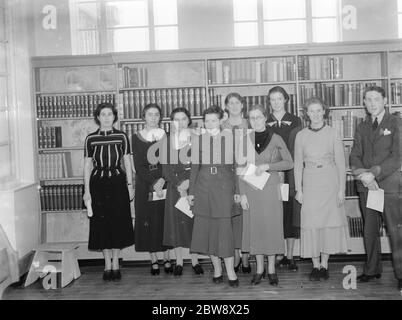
(284, 262)
(324, 274)
(246, 269)
(167, 266)
(273, 279)
(236, 268)
(315, 274)
(107, 275)
(178, 270)
(257, 278)
(217, 279)
(233, 283)
(198, 269)
(292, 265)
(116, 275)
(155, 271)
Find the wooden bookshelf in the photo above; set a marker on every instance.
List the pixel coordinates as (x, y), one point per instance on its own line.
(198, 79)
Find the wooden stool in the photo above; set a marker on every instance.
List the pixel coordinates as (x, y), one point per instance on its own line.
(59, 257)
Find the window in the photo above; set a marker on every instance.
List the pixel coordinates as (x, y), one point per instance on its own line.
(6, 143)
(284, 21)
(400, 18)
(276, 22)
(245, 23)
(100, 26)
(325, 20)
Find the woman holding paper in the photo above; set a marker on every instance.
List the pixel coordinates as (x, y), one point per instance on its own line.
(266, 154)
(148, 228)
(283, 123)
(320, 176)
(239, 125)
(178, 227)
(108, 190)
(213, 192)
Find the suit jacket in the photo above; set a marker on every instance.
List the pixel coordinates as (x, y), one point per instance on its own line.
(379, 152)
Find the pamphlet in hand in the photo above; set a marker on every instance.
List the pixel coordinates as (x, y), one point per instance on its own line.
(154, 197)
(252, 179)
(183, 205)
(375, 200)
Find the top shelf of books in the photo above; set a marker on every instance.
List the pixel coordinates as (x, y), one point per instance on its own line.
(75, 79)
(162, 74)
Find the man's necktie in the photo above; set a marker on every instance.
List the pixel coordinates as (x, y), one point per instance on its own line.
(375, 124)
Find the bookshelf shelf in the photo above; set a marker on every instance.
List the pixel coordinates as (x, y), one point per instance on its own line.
(66, 92)
(351, 197)
(163, 120)
(63, 211)
(347, 107)
(60, 149)
(344, 80)
(65, 118)
(62, 179)
(252, 84)
(347, 139)
(161, 88)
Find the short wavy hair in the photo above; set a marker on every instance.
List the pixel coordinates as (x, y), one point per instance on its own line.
(315, 100)
(105, 105)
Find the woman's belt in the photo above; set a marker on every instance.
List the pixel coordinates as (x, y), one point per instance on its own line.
(318, 165)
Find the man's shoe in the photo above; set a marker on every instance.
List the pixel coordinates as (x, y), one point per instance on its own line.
(400, 285)
(366, 278)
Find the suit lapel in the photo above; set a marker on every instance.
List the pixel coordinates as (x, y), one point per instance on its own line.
(368, 129)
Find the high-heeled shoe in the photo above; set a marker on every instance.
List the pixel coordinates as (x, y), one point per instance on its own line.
(233, 283)
(257, 277)
(273, 279)
(178, 270)
(116, 275)
(246, 269)
(155, 271)
(168, 269)
(198, 269)
(217, 279)
(107, 275)
(236, 268)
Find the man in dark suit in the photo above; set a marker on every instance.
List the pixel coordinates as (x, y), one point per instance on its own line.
(376, 163)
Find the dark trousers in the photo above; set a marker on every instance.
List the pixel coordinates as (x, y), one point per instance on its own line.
(372, 224)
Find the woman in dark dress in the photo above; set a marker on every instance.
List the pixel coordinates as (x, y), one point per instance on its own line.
(149, 215)
(108, 189)
(283, 123)
(178, 226)
(213, 192)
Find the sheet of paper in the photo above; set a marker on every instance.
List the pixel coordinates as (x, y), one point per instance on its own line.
(285, 191)
(254, 180)
(155, 196)
(183, 206)
(375, 200)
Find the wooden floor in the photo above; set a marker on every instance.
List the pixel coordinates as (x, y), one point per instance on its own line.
(138, 283)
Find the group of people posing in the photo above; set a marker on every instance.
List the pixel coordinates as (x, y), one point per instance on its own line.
(232, 218)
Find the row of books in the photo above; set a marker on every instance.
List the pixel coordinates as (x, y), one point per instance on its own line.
(248, 101)
(62, 197)
(194, 99)
(336, 95)
(396, 92)
(356, 226)
(69, 106)
(251, 71)
(134, 77)
(54, 165)
(346, 125)
(49, 137)
(132, 128)
(320, 68)
(351, 189)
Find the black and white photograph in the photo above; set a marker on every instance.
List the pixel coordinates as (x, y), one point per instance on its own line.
(194, 156)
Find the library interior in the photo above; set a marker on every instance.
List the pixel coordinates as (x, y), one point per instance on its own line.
(61, 59)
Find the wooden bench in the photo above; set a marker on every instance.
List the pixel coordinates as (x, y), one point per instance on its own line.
(54, 257)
